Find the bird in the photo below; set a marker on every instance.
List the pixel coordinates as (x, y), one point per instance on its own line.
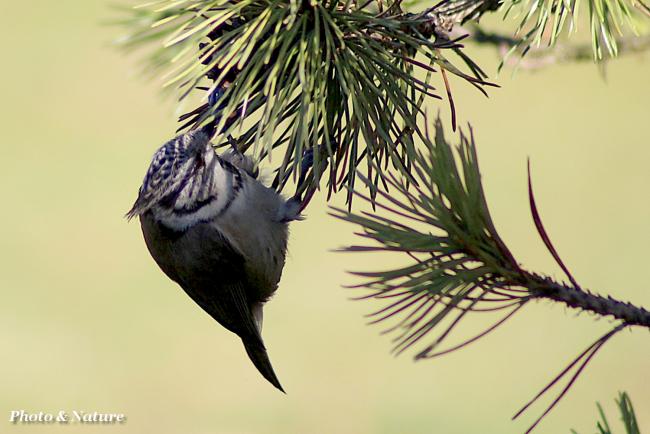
(216, 230)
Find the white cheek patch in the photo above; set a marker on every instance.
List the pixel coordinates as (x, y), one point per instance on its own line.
(221, 189)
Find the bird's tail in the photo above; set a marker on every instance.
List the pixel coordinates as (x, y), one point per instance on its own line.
(258, 355)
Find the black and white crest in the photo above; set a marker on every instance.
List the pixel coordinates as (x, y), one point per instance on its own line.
(170, 167)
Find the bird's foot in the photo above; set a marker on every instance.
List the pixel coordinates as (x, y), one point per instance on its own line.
(291, 210)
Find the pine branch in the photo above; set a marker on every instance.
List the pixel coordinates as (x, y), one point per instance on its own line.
(537, 58)
(613, 24)
(459, 263)
(333, 82)
(454, 12)
(581, 299)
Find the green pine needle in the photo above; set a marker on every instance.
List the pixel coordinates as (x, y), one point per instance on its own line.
(346, 81)
(628, 417)
(460, 264)
(545, 22)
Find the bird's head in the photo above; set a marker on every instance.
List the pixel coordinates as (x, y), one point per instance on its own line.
(172, 166)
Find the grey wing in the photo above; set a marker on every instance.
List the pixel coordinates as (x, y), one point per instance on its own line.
(209, 269)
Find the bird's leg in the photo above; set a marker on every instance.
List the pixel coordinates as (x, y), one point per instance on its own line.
(306, 163)
(301, 199)
(234, 146)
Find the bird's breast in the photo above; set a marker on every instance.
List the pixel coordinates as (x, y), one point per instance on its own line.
(239, 207)
(251, 225)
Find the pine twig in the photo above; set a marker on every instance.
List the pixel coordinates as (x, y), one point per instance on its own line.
(542, 57)
(460, 263)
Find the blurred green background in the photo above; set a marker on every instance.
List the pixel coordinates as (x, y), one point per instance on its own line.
(90, 323)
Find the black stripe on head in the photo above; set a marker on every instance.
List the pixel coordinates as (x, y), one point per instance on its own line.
(196, 205)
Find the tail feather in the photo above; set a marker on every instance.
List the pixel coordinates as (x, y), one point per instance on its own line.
(258, 355)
